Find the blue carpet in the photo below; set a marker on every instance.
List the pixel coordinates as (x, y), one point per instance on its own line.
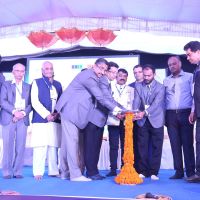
(177, 189)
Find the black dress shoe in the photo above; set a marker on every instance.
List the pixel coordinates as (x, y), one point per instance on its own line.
(177, 176)
(111, 173)
(18, 176)
(193, 179)
(7, 177)
(96, 177)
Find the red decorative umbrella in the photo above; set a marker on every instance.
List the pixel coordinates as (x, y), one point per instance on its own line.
(71, 36)
(42, 39)
(101, 37)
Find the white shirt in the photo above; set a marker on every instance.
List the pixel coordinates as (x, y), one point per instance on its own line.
(19, 101)
(124, 95)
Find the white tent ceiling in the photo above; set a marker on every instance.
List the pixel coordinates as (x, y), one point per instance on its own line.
(156, 19)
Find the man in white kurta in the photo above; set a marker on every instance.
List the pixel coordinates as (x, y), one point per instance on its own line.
(46, 131)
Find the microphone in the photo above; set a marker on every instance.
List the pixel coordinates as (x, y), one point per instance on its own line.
(148, 195)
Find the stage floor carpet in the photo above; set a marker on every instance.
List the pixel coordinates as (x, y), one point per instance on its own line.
(56, 189)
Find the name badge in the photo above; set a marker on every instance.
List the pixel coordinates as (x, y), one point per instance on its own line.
(22, 105)
(53, 94)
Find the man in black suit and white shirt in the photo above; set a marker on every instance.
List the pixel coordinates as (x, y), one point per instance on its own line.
(93, 132)
(192, 50)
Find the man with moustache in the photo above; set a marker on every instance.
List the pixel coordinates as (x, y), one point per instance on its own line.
(123, 94)
(192, 50)
(149, 100)
(179, 101)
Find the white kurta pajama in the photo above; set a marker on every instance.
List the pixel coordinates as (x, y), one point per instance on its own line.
(45, 138)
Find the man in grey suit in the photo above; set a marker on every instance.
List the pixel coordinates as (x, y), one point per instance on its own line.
(149, 100)
(93, 132)
(14, 116)
(74, 107)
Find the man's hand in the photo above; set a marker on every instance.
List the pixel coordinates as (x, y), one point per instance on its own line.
(50, 118)
(18, 115)
(192, 118)
(55, 116)
(120, 116)
(139, 115)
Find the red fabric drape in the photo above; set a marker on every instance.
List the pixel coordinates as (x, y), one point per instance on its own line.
(101, 37)
(42, 39)
(71, 36)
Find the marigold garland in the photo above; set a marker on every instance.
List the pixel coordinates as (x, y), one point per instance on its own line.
(128, 175)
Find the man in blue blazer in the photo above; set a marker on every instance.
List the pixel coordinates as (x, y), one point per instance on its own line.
(14, 117)
(149, 100)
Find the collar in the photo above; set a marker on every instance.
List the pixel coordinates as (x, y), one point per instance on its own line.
(14, 82)
(151, 84)
(120, 86)
(109, 81)
(180, 74)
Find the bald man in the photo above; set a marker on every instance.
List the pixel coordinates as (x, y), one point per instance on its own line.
(14, 117)
(46, 128)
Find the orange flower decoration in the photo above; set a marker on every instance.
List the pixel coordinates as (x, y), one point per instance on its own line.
(128, 175)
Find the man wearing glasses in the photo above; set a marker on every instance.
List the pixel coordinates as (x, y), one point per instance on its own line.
(74, 106)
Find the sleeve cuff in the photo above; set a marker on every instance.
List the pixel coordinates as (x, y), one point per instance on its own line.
(116, 110)
(13, 112)
(23, 113)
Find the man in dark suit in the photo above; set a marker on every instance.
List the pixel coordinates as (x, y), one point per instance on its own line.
(192, 50)
(75, 105)
(15, 109)
(138, 74)
(149, 100)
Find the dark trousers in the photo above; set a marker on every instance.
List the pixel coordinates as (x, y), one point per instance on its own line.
(149, 166)
(180, 133)
(116, 133)
(198, 147)
(93, 136)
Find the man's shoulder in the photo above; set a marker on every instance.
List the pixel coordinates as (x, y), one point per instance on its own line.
(7, 83)
(104, 80)
(88, 73)
(25, 83)
(132, 84)
(159, 86)
(57, 82)
(139, 84)
(37, 80)
(128, 87)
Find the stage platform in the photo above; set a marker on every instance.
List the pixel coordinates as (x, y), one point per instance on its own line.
(24, 197)
(50, 188)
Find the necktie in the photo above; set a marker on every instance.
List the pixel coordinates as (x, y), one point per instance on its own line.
(148, 93)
